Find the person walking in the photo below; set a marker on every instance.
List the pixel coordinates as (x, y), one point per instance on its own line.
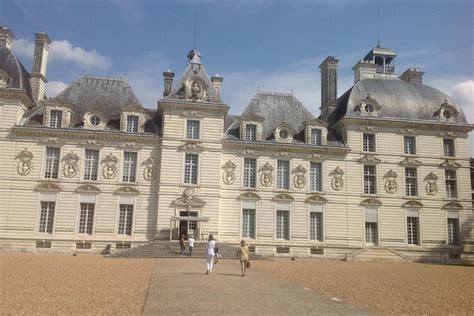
(191, 245)
(243, 255)
(181, 245)
(211, 244)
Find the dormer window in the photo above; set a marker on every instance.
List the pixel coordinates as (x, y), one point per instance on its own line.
(368, 107)
(132, 124)
(95, 120)
(251, 132)
(316, 136)
(447, 112)
(55, 118)
(283, 133)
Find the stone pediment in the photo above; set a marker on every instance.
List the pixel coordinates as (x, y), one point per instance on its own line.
(191, 146)
(130, 145)
(87, 188)
(452, 206)
(369, 159)
(315, 198)
(127, 190)
(413, 204)
(410, 161)
(249, 196)
(91, 142)
(283, 197)
(449, 163)
(370, 202)
(49, 187)
(188, 199)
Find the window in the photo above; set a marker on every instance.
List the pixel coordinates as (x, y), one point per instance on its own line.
(283, 222)
(125, 219)
(52, 163)
(316, 136)
(284, 134)
(370, 180)
(91, 164)
(453, 228)
(129, 166)
(411, 182)
(95, 120)
(86, 219)
(448, 147)
(46, 217)
(251, 132)
(250, 172)
(315, 176)
(192, 129)
(413, 228)
(55, 118)
(409, 145)
(283, 174)
(316, 222)
(369, 142)
(371, 226)
(451, 183)
(132, 124)
(191, 168)
(248, 223)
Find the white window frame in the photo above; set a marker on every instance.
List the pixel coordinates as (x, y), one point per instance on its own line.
(191, 131)
(132, 126)
(374, 145)
(406, 147)
(131, 173)
(198, 163)
(279, 178)
(249, 176)
(316, 139)
(248, 205)
(321, 178)
(409, 212)
(57, 122)
(283, 207)
(88, 199)
(45, 163)
(129, 200)
(370, 218)
(85, 167)
(452, 142)
(411, 178)
(374, 176)
(46, 197)
(451, 194)
(316, 208)
(453, 215)
(249, 136)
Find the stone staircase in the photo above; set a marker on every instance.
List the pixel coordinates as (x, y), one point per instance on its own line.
(167, 249)
(377, 254)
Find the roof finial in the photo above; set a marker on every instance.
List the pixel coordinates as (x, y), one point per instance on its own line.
(195, 18)
(378, 23)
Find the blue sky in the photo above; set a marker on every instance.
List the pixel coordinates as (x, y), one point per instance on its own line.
(274, 45)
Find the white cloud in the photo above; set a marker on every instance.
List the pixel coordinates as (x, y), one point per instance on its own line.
(53, 88)
(64, 51)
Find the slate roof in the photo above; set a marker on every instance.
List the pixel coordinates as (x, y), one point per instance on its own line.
(398, 99)
(19, 76)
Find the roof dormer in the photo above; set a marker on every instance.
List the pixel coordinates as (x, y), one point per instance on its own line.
(95, 119)
(251, 127)
(316, 132)
(284, 133)
(447, 113)
(133, 118)
(57, 113)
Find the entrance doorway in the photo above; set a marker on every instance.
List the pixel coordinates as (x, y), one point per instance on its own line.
(187, 227)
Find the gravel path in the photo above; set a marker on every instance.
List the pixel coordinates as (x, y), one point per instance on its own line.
(390, 288)
(60, 284)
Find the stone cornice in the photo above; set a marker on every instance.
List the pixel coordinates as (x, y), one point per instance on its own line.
(190, 106)
(264, 147)
(14, 94)
(74, 133)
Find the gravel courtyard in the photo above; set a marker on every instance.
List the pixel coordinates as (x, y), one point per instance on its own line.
(86, 284)
(389, 288)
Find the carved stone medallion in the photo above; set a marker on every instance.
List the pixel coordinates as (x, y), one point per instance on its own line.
(299, 179)
(337, 182)
(266, 178)
(149, 172)
(24, 165)
(71, 166)
(391, 185)
(228, 175)
(431, 186)
(109, 169)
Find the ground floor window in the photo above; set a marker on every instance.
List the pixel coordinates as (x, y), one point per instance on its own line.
(46, 220)
(316, 226)
(86, 219)
(283, 222)
(125, 219)
(248, 223)
(371, 226)
(453, 228)
(413, 227)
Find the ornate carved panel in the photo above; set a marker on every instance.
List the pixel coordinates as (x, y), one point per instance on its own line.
(70, 164)
(337, 182)
(315, 198)
(150, 170)
(431, 186)
(410, 161)
(109, 169)
(249, 196)
(391, 185)
(449, 163)
(283, 197)
(413, 204)
(453, 206)
(188, 199)
(191, 147)
(87, 188)
(228, 175)
(369, 159)
(49, 187)
(52, 140)
(25, 164)
(371, 202)
(299, 179)
(127, 190)
(266, 178)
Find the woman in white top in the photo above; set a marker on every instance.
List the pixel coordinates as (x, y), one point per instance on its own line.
(211, 244)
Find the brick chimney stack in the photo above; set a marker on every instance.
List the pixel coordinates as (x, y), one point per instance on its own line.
(328, 86)
(217, 83)
(40, 64)
(413, 75)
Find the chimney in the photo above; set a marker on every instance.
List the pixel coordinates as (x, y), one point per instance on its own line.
(328, 86)
(217, 83)
(6, 37)
(168, 78)
(364, 69)
(40, 63)
(413, 75)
